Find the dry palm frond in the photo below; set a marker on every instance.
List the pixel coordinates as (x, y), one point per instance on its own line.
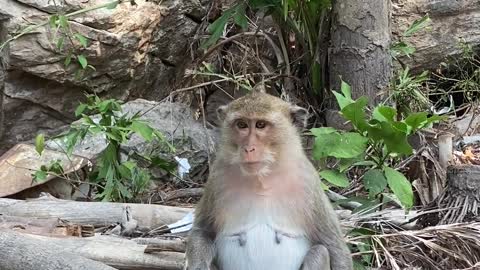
(455, 246)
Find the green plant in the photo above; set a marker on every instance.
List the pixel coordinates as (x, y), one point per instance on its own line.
(402, 47)
(376, 140)
(407, 89)
(304, 19)
(115, 179)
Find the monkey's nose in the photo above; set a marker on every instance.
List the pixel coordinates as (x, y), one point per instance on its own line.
(249, 149)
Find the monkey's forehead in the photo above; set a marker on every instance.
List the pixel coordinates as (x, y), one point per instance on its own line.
(258, 104)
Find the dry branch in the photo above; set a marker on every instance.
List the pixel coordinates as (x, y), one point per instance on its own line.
(95, 213)
(19, 251)
(117, 252)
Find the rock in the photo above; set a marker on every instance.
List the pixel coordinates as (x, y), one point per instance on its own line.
(136, 50)
(19, 163)
(453, 22)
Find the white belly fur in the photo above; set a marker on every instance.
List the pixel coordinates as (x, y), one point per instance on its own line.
(261, 248)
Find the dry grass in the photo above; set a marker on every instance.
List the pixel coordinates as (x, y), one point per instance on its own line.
(454, 246)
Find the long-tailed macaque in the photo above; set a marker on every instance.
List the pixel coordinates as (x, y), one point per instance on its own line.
(263, 206)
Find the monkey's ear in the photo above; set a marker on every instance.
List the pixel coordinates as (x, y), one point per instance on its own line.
(299, 116)
(259, 88)
(221, 112)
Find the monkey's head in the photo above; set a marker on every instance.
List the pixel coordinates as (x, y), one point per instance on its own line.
(259, 130)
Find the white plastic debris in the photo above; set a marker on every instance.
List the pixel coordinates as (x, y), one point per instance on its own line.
(183, 225)
(183, 166)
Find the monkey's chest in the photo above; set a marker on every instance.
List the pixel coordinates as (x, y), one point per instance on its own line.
(261, 247)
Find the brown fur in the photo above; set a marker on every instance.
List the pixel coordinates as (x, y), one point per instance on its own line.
(291, 187)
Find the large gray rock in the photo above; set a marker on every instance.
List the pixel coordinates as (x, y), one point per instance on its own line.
(453, 23)
(137, 50)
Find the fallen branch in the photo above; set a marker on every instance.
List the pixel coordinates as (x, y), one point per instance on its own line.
(98, 214)
(19, 251)
(116, 252)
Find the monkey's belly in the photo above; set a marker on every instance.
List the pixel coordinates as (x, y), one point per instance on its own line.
(261, 248)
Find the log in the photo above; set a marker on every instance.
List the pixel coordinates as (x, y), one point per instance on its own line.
(452, 23)
(116, 252)
(20, 252)
(98, 214)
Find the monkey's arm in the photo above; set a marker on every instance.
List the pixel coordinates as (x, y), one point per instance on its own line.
(200, 244)
(324, 226)
(200, 250)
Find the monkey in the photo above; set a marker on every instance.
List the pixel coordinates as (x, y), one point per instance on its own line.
(263, 207)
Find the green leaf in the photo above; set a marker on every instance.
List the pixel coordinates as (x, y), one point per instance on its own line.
(83, 40)
(240, 18)
(417, 25)
(68, 60)
(60, 42)
(342, 100)
(384, 113)
(80, 109)
(334, 177)
(143, 130)
(217, 27)
(52, 20)
(63, 21)
(346, 90)
(163, 164)
(416, 120)
(39, 176)
(351, 145)
(374, 181)
(325, 145)
(318, 132)
(82, 60)
(112, 5)
(347, 145)
(400, 186)
(40, 143)
(355, 113)
(394, 139)
(402, 48)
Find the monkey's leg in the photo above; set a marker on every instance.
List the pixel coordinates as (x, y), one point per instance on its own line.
(317, 258)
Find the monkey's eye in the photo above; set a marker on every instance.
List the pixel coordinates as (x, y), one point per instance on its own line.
(242, 124)
(260, 124)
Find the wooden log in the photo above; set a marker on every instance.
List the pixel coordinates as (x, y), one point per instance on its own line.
(453, 22)
(20, 252)
(116, 252)
(161, 244)
(95, 213)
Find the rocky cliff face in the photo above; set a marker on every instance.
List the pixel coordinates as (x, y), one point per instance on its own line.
(137, 50)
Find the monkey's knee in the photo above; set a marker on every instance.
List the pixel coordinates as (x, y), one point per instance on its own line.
(317, 258)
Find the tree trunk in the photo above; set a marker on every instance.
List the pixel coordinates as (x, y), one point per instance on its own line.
(359, 51)
(94, 213)
(19, 252)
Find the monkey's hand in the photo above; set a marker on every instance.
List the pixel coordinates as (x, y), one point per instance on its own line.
(317, 258)
(198, 266)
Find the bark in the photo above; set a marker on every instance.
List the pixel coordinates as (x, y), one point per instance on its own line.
(359, 51)
(94, 213)
(20, 252)
(453, 22)
(113, 251)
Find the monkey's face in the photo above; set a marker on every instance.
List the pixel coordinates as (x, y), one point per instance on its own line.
(257, 130)
(252, 139)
